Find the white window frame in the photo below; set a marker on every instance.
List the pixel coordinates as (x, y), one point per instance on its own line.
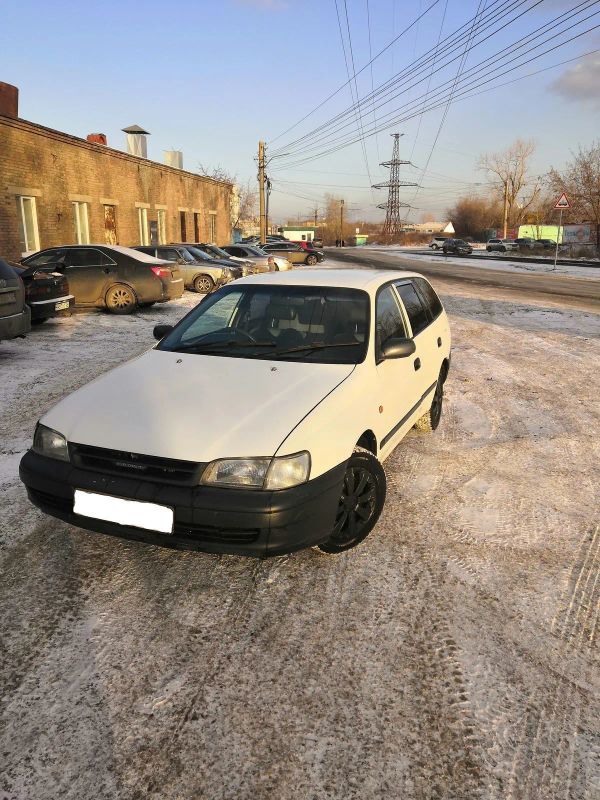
(82, 222)
(143, 226)
(161, 218)
(30, 246)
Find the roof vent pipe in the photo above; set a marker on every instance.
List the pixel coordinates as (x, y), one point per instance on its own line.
(174, 158)
(136, 141)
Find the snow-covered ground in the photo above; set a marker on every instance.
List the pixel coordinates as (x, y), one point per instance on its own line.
(490, 261)
(452, 656)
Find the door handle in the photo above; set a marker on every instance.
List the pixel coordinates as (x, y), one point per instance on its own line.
(417, 364)
(106, 271)
(439, 341)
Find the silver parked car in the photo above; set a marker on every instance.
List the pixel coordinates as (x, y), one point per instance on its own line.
(263, 262)
(200, 272)
(501, 245)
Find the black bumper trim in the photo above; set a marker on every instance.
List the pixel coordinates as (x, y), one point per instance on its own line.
(209, 519)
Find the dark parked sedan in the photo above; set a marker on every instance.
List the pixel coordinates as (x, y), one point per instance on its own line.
(46, 292)
(545, 244)
(457, 246)
(108, 276)
(15, 316)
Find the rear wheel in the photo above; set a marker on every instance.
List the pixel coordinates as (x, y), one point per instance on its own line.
(204, 284)
(311, 260)
(120, 299)
(430, 420)
(361, 502)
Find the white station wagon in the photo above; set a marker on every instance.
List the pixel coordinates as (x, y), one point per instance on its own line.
(310, 379)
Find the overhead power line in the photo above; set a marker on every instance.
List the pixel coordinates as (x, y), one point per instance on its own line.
(477, 76)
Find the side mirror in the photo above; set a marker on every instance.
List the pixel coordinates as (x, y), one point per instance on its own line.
(397, 348)
(160, 331)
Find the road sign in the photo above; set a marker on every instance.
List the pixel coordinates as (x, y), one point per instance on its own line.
(563, 202)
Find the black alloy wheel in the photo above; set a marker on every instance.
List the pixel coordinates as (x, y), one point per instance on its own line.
(361, 502)
(120, 299)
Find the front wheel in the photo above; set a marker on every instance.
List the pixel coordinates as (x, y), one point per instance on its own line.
(204, 284)
(311, 260)
(120, 299)
(361, 502)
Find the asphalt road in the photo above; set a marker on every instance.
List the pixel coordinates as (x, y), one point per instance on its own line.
(540, 285)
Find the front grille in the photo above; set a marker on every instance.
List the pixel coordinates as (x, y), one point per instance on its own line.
(207, 533)
(136, 465)
(52, 500)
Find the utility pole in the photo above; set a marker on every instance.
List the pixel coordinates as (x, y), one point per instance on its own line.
(505, 209)
(341, 222)
(261, 192)
(316, 212)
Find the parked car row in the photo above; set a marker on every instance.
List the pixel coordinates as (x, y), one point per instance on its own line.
(122, 279)
(523, 243)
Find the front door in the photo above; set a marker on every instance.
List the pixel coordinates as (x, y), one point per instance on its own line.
(88, 272)
(398, 382)
(110, 224)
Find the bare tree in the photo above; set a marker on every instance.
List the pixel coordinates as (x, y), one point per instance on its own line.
(510, 179)
(580, 179)
(217, 173)
(475, 216)
(244, 203)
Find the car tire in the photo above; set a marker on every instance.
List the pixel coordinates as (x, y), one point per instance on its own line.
(430, 421)
(203, 284)
(489, 249)
(361, 502)
(502, 249)
(434, 247)
(311, 260)
(120, 299)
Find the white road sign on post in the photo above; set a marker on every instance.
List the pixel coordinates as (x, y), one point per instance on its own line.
(561, 203)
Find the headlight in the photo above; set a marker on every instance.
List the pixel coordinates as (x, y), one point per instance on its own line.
(259, 473)
(50, 443)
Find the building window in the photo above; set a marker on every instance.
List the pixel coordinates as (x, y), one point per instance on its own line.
(161, 217)
(212, 227)
(29, 226)
(110, 224)
(182, 226)
(143, 223)
(196, 227)
(82, 225)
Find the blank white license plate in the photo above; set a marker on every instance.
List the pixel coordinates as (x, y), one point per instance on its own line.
(149, 516)
(61, 305)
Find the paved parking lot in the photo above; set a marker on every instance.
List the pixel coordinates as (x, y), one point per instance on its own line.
(453, 655)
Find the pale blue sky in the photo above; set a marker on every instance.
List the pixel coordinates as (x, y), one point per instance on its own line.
(212, 78)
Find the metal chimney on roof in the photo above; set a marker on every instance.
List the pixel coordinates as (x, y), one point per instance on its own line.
(136, 141)
(174, 158)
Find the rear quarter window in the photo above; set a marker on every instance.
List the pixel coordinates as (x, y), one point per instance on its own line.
(429, 297)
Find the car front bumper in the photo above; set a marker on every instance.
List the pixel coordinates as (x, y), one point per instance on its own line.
(209, 519)
(16, 324)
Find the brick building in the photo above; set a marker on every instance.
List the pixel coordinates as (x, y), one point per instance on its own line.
(59, 189)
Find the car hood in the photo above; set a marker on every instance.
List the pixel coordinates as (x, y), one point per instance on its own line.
(195, 407)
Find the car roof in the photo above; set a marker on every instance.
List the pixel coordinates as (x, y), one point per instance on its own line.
(367, 279)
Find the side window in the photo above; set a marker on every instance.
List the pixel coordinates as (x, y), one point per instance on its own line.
(417, 314)
(236, 251)
(47, 257)
(168, 253)
(427, 292)
(84, 257)
(389, 321)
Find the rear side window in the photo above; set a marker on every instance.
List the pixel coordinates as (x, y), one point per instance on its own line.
(417, 314)
(429, 297)
(86, 257)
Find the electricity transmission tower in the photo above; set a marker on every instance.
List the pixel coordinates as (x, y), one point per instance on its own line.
(392, 222)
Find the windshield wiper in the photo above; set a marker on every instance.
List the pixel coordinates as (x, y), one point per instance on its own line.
(182, 348)
(316, 346)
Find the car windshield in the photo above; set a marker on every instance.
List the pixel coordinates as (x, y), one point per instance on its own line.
(197, 254)
(215, 251)
(328, 325)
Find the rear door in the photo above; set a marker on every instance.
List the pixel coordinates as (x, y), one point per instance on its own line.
(89, 272)
(427, 358)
